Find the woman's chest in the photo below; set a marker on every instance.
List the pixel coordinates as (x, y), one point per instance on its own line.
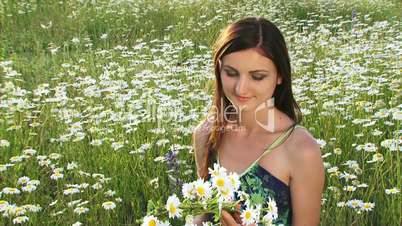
(237, 156)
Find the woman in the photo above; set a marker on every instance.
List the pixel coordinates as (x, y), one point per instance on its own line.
(253, 128)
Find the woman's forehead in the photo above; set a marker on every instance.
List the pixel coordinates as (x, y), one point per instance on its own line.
(249, 58)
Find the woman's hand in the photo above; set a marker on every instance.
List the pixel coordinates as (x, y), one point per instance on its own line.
(228, 220)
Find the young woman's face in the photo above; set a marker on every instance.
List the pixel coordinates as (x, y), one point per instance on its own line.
(248, 78)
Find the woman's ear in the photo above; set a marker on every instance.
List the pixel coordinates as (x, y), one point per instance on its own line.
(279, 80)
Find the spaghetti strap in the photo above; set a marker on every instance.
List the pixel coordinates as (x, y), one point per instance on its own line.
(269, 185)
(278, 141)
(282, 138)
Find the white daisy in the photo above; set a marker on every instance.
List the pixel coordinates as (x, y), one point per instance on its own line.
(16, 159)
(3, 205)
(83, 203)
(23, 180)
(77, 224)
(377, 157)
(272, 208)
(8, 210)
(54, 156)
(72, 165)
(367, 206)
(392, 191)
(172, 206)
(17, 210)
(349, 188)
(11, 191)
(46, 162)
(29, 151)
(70, 191)
(267, 220)
(202, 189)
(56, 175)
(220, 182)
(217, 171)
(354, 203)
(234, 181)
(97, 186)
(53, 203)
(338, 151)
(226, 194)
(3, 168)
(108, 205)
(96, 142)
(150, 221)
(32, 208)
(397, 115)
(73, 203)
(188, 191)
(34, 182)
(249, 216)
(340, 204)
(20, 220)
(80, 210)
(41, 157)
(110, 193)
(4, 143)
(29, 188)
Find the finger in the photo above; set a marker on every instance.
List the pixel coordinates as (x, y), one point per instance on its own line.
(237, 214)
(228, 219)
(237, 218)
(223, 222)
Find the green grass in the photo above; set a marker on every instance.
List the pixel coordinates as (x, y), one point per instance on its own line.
(105, 61)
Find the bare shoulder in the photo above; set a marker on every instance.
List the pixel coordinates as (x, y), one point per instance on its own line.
(200, 139)
(307, 178)
(201, 133)
(303, 149)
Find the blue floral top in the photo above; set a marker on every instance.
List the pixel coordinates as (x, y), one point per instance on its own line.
(260, 184)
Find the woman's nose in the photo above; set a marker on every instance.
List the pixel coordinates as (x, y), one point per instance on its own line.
(241, 86)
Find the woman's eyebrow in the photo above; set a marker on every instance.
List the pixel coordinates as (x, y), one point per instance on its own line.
(259, 70)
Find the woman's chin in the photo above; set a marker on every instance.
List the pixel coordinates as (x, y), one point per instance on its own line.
(243, 107)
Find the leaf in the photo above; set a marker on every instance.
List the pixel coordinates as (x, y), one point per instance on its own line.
(150, 206)
(256, 199)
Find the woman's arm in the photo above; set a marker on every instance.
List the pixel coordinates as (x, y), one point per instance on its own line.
(200, 138)
(306, 182)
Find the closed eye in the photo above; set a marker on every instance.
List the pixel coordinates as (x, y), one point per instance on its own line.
(230, 73)
(258, 77)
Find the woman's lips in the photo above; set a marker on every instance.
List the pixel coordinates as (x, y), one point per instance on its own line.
(242, 99)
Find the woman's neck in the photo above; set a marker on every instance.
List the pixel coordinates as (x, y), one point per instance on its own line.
(264, 121)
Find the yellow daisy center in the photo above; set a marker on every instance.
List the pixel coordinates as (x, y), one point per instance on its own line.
(172, 208)
(220, 182)
(152, 223)
(201, 191)
(248, 215)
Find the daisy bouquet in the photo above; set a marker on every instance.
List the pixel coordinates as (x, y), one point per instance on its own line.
(209, 197)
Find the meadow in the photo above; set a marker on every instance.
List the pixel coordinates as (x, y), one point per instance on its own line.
(98, 101)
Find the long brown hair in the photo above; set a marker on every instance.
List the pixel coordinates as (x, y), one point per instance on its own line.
(249, 32)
